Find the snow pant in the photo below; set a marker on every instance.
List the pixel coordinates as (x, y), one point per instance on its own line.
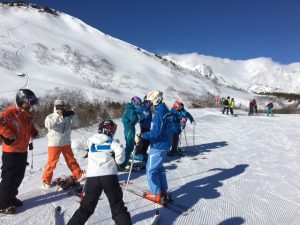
(93, 190)
(226, 108)
(142, 146)
(175, 140)
(269, 111)
(53, 157)
(231, 111)
(255, 109)
(13, 170)
(250, 111)
(156, 174)
(129, 138)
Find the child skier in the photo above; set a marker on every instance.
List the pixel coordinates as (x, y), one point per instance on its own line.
(102, 175)
(270, 109)
(129, 120)
(180, 118)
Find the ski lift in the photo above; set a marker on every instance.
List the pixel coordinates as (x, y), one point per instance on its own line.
(20, 74)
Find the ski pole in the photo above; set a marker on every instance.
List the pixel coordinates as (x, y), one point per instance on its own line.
(185, 138)
(194, 137)
(129, 174)
(30, 148)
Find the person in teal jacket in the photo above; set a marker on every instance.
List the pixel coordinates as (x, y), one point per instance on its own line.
(129, 120)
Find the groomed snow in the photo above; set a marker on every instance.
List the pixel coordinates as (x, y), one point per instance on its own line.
(242, 170)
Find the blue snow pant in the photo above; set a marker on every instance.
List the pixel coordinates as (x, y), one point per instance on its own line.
(156, 174)
(269, 111)
(129, 134)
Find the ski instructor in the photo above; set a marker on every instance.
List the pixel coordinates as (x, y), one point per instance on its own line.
(16, 129)
(160, 137)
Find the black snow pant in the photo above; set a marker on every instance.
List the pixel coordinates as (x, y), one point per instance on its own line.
(13, 171)
(231, 111)
(93, 189)
(142, 146)
(226, 108)
(175, 140)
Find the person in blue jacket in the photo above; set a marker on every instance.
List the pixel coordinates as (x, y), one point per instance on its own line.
(145, 118)
(129, 120)
(180, 118)
(160, 137)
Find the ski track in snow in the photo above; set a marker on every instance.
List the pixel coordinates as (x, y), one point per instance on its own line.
(242, 170)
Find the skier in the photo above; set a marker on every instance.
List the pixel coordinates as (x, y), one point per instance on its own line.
(129, 120)
(145, 118)
(16, 129)
(270, 109)
(226, 104)
(254, 106)
(251, 107)
(59, 125)
(102, 174)
(160, 137)
(232, 104)
(180, 117)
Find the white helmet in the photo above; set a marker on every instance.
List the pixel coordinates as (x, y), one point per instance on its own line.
(155, 97)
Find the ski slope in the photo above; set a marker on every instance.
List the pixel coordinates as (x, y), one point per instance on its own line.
(242, 170)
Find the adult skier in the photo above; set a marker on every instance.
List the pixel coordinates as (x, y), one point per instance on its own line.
(180, 118)
(129, 120)
(16, 129)
(102, 175)
(160, 137)
(232, 105)
(226, 104)
(59, 125)
(270, 109)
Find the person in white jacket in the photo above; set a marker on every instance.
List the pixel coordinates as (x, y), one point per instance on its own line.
(104, 153)
(59, 125)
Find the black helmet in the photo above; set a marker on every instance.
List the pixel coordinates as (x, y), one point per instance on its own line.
(107, 127)
(26, 95)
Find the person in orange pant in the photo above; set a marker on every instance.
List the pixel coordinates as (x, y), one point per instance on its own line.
(59, 125)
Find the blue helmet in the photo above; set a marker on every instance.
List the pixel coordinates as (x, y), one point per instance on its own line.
(136, 101)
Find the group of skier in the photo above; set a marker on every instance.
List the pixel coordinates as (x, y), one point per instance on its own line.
(228, 104)
(106, 156)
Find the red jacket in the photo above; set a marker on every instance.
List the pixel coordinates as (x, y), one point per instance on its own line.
(16, 121)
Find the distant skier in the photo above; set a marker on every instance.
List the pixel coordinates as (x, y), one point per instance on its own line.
(180, 118)
(251, 108)
(226, 104)
(232, 105)
(160, 137)
(59, 125)
(145, 118)
(16, 129)
(254, 106)
(102, 175)
(270, 109)
(129, 120)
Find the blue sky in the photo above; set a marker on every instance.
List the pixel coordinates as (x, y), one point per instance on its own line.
(235, 29)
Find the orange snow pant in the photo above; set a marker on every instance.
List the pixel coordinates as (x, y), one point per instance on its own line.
(53, 157)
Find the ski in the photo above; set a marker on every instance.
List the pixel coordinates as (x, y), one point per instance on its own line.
(156, 218)
(178, 209)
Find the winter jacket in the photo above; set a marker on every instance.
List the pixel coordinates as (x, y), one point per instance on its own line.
(100, 148)
(130, 117)
(232, 104)
(145, 117)
(160, 135)
(59, 128)
(180, 118)
(18, 122)
(270, 105)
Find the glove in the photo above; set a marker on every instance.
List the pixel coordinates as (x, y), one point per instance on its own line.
(194, 123)
(10, 140)
(68, 113)
(137, 138)
(30, 146)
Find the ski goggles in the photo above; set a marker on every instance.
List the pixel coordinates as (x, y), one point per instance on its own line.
(60, 107)
(33, 101)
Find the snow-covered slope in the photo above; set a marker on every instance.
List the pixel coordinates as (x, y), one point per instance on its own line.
(62, 51)
(242, 170)
(258, 75)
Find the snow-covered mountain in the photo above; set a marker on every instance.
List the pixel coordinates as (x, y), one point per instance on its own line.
(42, 49)
(257, 75)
